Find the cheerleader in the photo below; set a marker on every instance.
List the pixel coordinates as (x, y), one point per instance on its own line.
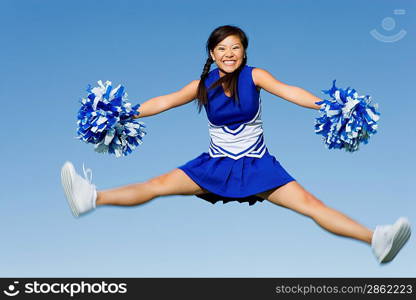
(238, 165)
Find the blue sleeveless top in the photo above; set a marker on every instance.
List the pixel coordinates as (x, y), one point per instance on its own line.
(235, 128)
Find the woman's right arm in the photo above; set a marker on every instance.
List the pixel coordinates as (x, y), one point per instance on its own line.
(159, 104)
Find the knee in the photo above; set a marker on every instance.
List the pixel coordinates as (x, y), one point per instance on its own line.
(161, 185)
(311, 201)
(158, 185)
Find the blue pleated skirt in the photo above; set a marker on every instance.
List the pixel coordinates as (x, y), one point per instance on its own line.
(239, 180)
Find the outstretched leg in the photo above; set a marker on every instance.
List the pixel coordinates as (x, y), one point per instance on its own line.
(176, 182)
(293, 196)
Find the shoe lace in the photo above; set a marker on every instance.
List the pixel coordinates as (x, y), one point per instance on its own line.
(87, 173)
(88, 177)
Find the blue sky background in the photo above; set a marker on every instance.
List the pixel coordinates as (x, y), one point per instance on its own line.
(51, 50)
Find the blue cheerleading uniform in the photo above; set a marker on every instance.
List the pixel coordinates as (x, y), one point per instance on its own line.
(237, 165)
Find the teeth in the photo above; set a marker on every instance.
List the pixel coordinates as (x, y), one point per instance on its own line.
(229, 62)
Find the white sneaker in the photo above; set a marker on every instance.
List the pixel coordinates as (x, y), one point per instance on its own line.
(387, 240)
(80, 192)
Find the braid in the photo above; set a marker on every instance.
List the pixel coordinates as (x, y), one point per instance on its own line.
(202, 91)
(207, 67)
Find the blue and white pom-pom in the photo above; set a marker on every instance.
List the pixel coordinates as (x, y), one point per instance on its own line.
(105, 119)
(347, 119)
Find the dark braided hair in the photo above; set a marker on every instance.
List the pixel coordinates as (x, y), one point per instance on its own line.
(230, 80)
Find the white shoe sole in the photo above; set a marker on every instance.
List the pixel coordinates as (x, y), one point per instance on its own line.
(400, 238)
(67, 173)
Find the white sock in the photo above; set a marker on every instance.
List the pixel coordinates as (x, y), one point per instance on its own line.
(94, 198)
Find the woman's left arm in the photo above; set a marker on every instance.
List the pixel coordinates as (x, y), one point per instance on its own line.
(294, 94)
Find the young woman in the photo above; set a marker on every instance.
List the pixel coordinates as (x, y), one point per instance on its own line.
(238, 166)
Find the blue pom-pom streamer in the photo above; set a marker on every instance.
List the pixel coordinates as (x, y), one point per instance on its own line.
(105, 119)
(346, 119)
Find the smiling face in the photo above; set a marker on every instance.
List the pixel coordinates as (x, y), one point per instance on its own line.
(228, 54)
